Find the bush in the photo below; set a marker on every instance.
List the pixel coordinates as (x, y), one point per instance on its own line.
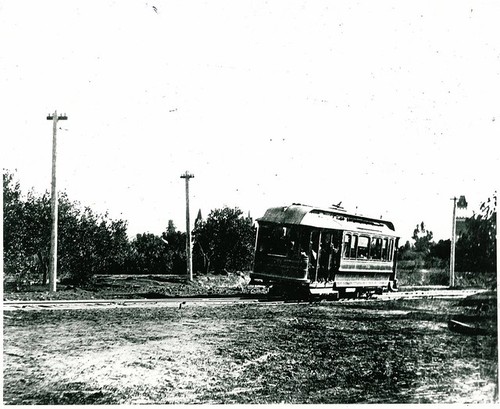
(478, 280)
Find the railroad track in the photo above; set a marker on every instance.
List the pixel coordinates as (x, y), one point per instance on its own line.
(125, 303)
(429, 294)
(193, 301)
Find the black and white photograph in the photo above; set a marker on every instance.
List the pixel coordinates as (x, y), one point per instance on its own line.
(251, 202)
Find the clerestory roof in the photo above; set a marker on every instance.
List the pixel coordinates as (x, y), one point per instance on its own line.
(338, 219)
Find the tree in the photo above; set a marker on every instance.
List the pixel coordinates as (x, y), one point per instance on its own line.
(88, 243)
(15, 256)
(226, 239)
(176, 248)
(476, 248)
(421, 254)
(439, 254)
(423, 239)
(149, 255)
(152, 254)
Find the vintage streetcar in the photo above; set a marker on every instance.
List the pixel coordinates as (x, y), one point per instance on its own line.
(324, 251)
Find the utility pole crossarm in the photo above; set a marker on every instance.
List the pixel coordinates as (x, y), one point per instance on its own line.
(187, 175)
(50, 117)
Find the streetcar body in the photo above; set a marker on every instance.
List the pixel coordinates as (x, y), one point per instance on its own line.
(324, 250)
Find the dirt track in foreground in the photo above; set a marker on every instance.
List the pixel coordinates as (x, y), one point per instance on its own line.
(398, 351)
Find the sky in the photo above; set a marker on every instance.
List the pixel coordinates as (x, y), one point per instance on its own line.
(390, 107)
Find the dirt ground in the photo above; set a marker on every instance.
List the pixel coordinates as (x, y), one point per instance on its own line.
(140, 286)
(373, 351)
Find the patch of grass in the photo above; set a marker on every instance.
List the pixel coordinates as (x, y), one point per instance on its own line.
(439, 276)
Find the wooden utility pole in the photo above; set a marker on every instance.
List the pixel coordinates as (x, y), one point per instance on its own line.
(462, 204)
(53, 235)
(453, 234)
(189, 258)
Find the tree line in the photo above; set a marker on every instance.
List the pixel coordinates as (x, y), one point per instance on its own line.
(90, 243)
(475, 248)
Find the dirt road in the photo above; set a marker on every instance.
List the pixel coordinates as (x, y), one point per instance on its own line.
(397, 351)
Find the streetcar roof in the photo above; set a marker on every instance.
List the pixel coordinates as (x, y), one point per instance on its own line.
(322, 218)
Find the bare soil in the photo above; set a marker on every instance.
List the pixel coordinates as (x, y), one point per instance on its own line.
(140, 286)
(368, 351)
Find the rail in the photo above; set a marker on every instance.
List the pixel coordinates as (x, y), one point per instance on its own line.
(182, 302)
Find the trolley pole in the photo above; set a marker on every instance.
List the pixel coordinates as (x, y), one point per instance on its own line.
(53, 198)
(189, 258)
(453, 234)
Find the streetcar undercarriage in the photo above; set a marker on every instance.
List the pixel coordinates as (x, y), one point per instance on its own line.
(292, 289)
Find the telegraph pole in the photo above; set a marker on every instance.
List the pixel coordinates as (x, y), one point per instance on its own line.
(453, 234)
(189, 259)
(53, 235)
(462, 204)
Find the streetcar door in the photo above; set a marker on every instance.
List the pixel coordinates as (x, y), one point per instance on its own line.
(324, 255)
(314, 240)
(329, 255)
(334, 261)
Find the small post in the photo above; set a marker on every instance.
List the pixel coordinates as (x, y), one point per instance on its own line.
(189, 258)
(53, 199)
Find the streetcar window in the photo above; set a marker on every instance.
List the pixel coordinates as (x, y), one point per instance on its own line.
(354, 246)
(278, 240)
(391, 249)
(264, 239)
(304, 243)
(385, 255)
(376, 248)
(363, 247)
(347, 246)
